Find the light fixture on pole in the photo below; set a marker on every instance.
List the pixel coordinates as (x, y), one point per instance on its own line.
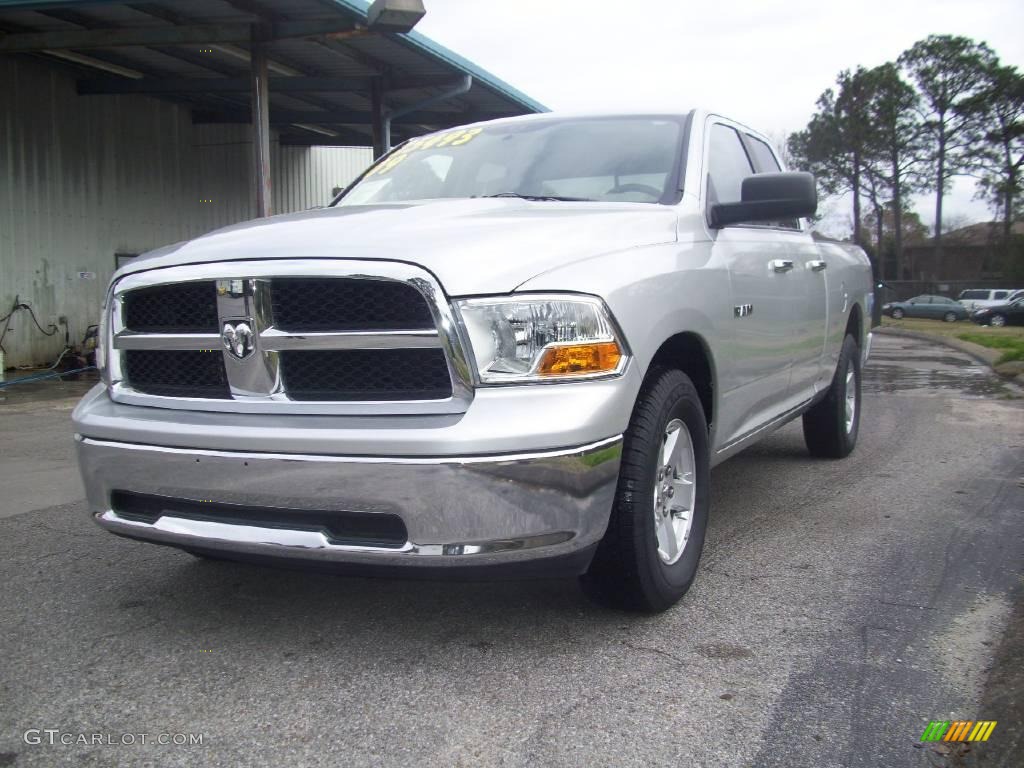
(394, 15)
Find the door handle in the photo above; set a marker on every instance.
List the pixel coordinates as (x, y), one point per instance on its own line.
(817, 265)
(781, 265)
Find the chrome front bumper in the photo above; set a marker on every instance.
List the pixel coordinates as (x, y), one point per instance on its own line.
(457, 511)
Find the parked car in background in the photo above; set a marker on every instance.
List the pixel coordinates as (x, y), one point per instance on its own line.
(976, 298)
(935, 307)
(1000, 315)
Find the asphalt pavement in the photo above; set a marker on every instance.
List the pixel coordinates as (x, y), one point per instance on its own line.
(841, 606)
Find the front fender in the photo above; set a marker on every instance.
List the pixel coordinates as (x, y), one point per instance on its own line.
(655, 293)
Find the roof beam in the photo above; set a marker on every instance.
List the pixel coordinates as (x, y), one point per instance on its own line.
(256, 9)
(28, 42)
(111, 85)
(116, 38)
(275, 65)
(352, 55)
(343, 117)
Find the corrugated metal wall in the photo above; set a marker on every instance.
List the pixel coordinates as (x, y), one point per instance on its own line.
(83, 178)
(305, 176)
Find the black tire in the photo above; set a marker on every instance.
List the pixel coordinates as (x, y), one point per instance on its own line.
(897, 314)
(997, 321)
(825, 430)
(949, 317)
(627, 571)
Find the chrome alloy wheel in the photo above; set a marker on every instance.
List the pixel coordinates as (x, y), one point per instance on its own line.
(851, 397)
(674, 492)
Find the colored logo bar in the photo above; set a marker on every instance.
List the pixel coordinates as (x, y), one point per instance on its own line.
(958, 730)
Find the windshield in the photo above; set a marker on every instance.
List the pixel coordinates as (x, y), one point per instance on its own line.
(595, 159)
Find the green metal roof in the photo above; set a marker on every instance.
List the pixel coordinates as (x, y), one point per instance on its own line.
(423, 43)
(356, 11)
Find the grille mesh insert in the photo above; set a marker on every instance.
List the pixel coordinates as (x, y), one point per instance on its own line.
(366, 374)
(174, 308)
(177, 373)
(346, 304)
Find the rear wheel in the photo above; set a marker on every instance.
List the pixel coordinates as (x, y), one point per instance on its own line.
(897, 314)
(649, 554)
(831, 426)
(949, 317)
(998, 321)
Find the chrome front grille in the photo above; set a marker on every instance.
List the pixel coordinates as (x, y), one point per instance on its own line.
(293, 336)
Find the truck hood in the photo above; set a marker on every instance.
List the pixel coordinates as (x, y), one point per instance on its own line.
(472, 246)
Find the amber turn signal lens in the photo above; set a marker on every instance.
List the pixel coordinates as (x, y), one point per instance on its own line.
(597, 357)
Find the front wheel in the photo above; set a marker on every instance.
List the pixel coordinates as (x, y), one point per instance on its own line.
(998, 321)
(949, 317)
(649, 554)
(897, 314)
(831, 426)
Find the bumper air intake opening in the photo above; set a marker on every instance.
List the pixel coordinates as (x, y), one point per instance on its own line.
(365, 529)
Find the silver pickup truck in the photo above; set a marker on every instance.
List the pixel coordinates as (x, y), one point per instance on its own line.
(519, 345)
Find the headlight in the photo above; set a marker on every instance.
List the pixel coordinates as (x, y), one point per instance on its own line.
(542, 338)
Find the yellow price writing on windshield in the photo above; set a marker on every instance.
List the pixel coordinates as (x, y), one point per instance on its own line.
(454, 138)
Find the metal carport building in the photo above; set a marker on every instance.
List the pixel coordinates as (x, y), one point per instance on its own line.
(128, 125)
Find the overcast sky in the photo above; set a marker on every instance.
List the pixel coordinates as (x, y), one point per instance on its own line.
(761, 63)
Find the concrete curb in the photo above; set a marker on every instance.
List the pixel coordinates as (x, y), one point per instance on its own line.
(981, 354)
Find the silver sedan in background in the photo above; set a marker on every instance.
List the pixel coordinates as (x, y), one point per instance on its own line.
(926, 305)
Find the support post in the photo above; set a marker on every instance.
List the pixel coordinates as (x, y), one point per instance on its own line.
(260, 126)
(378, 118)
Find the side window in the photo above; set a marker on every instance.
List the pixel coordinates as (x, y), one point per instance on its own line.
(764, 159)
(1000, 294)
(728, 165)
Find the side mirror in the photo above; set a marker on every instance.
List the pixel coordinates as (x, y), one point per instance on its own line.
(769, 197)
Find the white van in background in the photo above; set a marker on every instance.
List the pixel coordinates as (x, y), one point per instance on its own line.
(976, 298)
